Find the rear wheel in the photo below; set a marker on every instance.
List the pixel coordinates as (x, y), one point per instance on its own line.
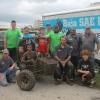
(26, 80)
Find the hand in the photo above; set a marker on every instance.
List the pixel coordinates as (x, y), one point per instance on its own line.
(12, 67)
(1, 76)
(87, 72)
(63, 63)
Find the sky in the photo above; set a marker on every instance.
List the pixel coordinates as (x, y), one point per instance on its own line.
(26, 11)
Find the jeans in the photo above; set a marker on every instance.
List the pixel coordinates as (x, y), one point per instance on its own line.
(7, 75)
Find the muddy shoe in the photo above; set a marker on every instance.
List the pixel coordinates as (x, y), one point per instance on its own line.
(69, 82)
(92, 83)
(13, 81)
(58, 82)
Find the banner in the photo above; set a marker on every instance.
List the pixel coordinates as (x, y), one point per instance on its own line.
(75, 22)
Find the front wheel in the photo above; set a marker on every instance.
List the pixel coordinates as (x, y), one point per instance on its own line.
(26, 80)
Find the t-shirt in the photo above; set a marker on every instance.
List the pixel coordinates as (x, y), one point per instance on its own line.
(87, 65)
(42, 44)
(47, 32)
(27, 39)
(75, 42)
(63, 53)
(12, 36)
(27, 36)
(88, 42)
(55, 40)
(5, 64)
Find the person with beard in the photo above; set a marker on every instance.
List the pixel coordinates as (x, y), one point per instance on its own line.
(75, 42)
(88, 42)
(65, 68)
(55, 39)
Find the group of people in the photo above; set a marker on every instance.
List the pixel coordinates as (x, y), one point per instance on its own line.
(75, 54)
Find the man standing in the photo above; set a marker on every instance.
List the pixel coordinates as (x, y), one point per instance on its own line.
(74, 41)
(11, 40)
(48, 29)
(65, 68)
(55, 39)
(89, 40)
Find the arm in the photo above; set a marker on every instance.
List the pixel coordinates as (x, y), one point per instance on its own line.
(68, 59)
(98, 44)
(69, 54)
(12, 67)
(4, 42)
(57, 58)
(24, 59)
(5, 39)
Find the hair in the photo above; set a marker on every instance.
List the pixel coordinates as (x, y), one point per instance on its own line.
(13, 21)
(84, 52)
(62, 37)
(26, 27)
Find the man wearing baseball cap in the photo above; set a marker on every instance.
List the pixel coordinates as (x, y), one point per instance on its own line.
(7, 70)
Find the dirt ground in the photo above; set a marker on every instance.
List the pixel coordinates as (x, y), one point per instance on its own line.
(47, 90)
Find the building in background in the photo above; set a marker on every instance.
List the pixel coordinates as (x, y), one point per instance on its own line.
(37, 24)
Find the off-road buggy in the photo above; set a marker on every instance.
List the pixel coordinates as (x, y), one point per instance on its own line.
(30, 73)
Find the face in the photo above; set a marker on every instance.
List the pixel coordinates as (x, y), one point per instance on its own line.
(13, 25)
(48, 27)
(73, 32)
(63, 40)
(29, 48)
(56, 29)
(87, 31)
(21, 50)
(42, 31)
(26, 30)
(5, 55)
(85, 57)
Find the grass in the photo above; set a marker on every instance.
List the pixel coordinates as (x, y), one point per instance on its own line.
(97, 78)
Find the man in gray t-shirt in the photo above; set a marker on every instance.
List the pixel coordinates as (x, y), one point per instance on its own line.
(89, 40)
(63, 55)
(7, 70)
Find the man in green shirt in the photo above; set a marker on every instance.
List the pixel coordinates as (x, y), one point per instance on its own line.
(11, 40)
(48, 29)
(55, 39)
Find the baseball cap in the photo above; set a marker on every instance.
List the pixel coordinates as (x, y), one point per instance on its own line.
(5, 51)
(48, 25)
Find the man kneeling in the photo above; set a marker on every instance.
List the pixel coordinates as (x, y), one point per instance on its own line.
(29, 57)
(85, 69)
(65, 68)
(7, 70)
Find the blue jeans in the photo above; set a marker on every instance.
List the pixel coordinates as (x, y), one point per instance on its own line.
(7, 74)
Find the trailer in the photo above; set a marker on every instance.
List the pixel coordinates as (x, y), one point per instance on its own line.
(78, 19)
